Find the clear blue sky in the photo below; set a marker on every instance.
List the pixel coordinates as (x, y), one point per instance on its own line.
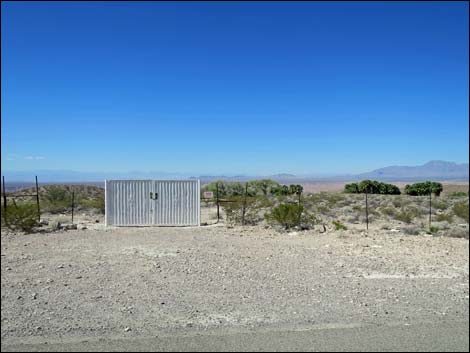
(249, 88)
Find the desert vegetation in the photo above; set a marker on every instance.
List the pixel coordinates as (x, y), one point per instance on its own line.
(271, 204)
(387, 207)
(421, 189)
(372, 187)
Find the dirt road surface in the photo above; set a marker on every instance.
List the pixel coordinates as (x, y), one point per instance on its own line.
(212, 287)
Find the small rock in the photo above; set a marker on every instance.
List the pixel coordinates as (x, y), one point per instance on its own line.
(127, 329)
(60, 266)
(35, 295)
(97, 221)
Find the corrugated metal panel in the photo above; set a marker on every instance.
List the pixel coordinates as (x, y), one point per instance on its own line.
(129, 202)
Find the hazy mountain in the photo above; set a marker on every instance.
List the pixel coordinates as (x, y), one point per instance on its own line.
(438, 170)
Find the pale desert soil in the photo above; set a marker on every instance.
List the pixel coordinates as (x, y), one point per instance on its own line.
(139, 282)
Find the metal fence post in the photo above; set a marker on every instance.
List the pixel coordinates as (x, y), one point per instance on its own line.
(367, 212)
(37, 199)
(244, 204)
(73, 201)
(4, 196)
(300, 210)
(430, 206)
(217, 198)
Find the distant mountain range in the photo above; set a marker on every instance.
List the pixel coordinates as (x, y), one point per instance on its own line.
(436, 170)
(441, 170)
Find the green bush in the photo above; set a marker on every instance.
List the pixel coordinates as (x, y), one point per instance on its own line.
(352, 188)
(421, 189)
(444, 217)
(461, 210)
(389, 211)
(253, 206)
(407, 215)
(339, 226)
(263, 187)
(456, 194)
(287, 214)
(20, 217)
(57, 199)
(433, 229)
(95, 203)
(372, 187)
(440, 205)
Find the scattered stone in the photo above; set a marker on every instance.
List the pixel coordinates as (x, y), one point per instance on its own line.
(127, 329)
(34, 296)
(60, 266)
(70, 226)
(97, 221)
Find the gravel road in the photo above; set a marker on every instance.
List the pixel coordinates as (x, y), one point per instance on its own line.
(136, 283)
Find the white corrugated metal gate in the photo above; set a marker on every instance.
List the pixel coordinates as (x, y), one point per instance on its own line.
(152, 202)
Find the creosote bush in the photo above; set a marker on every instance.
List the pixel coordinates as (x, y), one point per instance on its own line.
(290, 215)
(461, 210)
(20, 217)
(339, 226)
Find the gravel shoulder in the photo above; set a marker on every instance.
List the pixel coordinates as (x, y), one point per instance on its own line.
(133, 283)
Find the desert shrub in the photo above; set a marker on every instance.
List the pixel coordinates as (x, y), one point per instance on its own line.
(447, 217)
(372, 187)
(339, 226)
(352, 188)
(290, 215)
(421, 189)
(411, 230)
(404, 216)
(55, 193)
(94, 203)
(20, 217)
(440, 205)
(433, 229)
(389, 211)
(253, 208)
(457, 194)
(56, 199)
(461, 210)
(264, 186)
(323, 209)
(457, 233)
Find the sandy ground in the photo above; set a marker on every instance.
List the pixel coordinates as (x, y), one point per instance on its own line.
(133, 283)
